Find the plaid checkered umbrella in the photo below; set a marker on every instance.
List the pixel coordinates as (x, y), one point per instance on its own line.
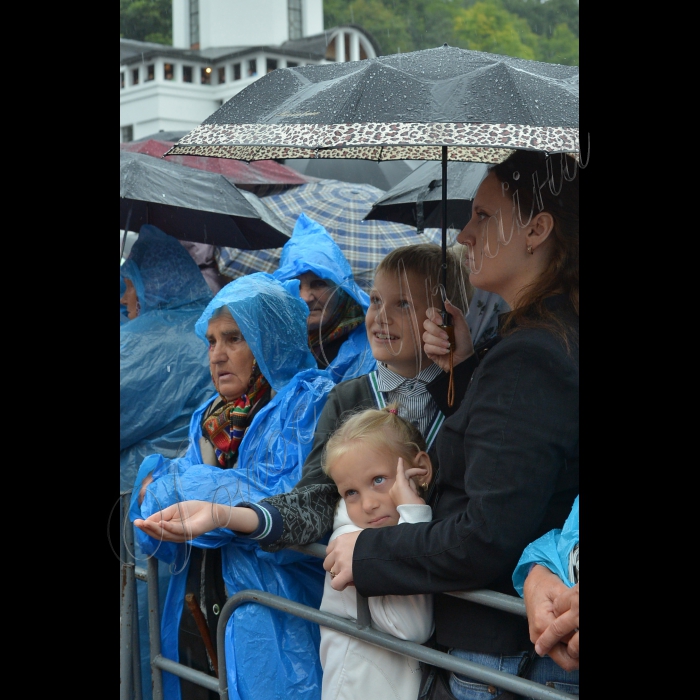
(339, 207)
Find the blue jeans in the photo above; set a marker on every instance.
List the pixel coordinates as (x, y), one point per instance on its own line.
(542, 670)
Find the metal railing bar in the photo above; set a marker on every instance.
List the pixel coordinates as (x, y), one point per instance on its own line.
(360, 629)
(364, 617)
(136, 651)
(154, 628)
(493, 599)
(506, 681)
(126, 617)
(187, 673)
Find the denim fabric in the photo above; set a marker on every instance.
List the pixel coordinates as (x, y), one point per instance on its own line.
(543, 670)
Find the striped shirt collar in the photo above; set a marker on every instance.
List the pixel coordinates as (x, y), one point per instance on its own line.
(388, 380)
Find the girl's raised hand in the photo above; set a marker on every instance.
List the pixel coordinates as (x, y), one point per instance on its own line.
(404, 489)
(436, 344)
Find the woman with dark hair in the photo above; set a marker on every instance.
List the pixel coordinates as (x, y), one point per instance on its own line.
(508, 457)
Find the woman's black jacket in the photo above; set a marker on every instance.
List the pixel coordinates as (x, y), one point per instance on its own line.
(509, 472)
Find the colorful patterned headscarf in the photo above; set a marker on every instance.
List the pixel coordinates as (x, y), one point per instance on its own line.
(226, 424)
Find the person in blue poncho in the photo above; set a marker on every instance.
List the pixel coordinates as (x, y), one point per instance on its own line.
(163, 369)
(248, 440)
(337, 305)
(546, 576)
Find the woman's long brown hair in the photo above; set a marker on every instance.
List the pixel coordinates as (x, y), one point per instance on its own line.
(538, 182)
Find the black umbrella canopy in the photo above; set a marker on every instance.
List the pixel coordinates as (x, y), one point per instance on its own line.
(444, 104)
(416, 200)
(194, 205)
(403, 106)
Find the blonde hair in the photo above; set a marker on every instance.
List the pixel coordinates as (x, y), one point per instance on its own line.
(380, 429)
(425, 260)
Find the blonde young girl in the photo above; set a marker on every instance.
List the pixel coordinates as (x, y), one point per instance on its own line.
(380, 465)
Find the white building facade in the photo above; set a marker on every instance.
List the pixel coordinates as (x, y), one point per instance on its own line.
(220, 47)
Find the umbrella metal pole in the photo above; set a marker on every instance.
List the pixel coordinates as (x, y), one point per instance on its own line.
(445, 315)
(446, 318)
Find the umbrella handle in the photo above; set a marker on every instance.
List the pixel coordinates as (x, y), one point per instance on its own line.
(203, 630)
(449, 329)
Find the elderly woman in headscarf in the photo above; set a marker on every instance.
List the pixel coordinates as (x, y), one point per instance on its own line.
(163, 367)
(337, 305)
(249, 439)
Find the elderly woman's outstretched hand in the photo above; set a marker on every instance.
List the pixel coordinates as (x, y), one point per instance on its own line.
(189, 519)
(436, 343)
(338, 560)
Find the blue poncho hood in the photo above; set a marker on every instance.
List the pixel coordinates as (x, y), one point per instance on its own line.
(272, 318)
(163, 272)
(311, 249)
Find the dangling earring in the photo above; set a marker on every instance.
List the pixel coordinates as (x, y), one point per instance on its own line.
(530, 250)
(252, 373)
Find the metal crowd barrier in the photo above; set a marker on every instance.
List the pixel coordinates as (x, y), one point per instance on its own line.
(129, 649)
(360, 629)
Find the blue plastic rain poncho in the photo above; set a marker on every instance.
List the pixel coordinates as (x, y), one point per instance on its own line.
(311, 249)
(123, 316)
(164, 370)
(268, 654)
(551, 550)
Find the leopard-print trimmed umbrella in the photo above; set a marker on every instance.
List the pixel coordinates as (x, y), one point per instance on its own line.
(439, 104)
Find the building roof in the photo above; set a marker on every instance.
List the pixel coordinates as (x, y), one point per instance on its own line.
(318, 42)
(312, 47)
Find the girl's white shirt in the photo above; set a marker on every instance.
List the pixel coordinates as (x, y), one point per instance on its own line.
(354, 669)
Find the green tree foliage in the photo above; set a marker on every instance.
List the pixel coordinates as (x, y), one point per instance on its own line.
(389, 29)
(544, 31)
(146, 20)
(561, 47)
(486, 26)
(430, 22)
(398, 25)
(545, 17)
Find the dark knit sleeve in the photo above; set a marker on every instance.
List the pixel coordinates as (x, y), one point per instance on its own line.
(306, 514)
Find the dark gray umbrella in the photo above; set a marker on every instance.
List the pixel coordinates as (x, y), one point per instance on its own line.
(416, 200)
(403, 106)
(194, 205)
(438, 104)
